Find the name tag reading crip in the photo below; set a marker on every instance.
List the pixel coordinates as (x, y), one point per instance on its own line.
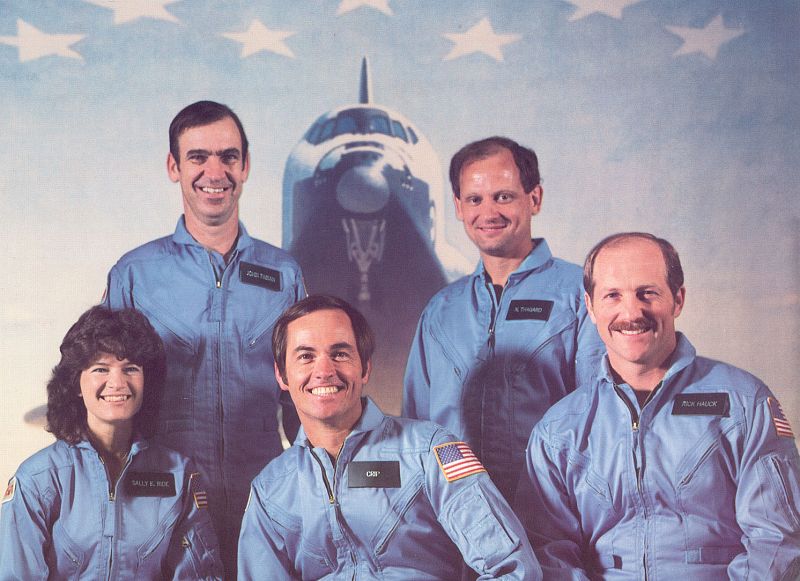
(260, 276)
(150, 484)
(701, 404)
(530, 310)
(373, 474)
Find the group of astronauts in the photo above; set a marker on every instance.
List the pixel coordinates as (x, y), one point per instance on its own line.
(555, 424)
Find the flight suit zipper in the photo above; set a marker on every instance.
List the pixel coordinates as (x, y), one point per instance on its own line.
(112, 495)
(330, 489)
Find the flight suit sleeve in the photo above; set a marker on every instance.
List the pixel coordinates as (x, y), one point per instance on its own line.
(24, 532)
(590, 348)
(416, 384)
(553, 526)
(194, 550)
(117, 295)
(475, 515)
(262, 550)
(768, 498)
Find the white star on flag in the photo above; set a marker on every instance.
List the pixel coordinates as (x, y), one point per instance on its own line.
(32, 43)
(707, 40)
(348, 5)
(479, 38)
(129, 10)
(612, 8)
(258, 37)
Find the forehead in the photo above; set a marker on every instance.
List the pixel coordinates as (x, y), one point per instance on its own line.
(222, 134)
(633, 262)
(497, 166)
(320, 330)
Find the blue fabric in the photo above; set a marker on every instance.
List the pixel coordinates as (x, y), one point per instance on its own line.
(718, 496)
(425, 529)
(491, 391)
(221, 398)
(60, 522)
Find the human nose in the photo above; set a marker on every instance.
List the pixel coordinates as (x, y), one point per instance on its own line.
(323, 367)
(631, 307)
(214, 168)
(116, 378)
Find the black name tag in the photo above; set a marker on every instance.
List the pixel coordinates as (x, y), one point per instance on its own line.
(260, 276)
(701, 404)
(373, 474)
(150, 484)
(529, 310)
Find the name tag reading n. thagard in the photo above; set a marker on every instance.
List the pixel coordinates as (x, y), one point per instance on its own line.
(530, 310)
(150, 484)
(260, 276)
(373, 474)
(701, 404)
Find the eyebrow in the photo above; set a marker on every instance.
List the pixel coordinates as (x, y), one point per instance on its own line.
(219, 153)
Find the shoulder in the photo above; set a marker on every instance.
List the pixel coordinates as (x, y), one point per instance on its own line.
(267, 253)
(410, 435)
(280, 470)
(152, 250)
(569, 414)
(709, 374)
(44, 466)
(559, 274)
(451, 299)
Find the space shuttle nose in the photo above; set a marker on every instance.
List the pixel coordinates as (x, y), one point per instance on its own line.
(363, 189)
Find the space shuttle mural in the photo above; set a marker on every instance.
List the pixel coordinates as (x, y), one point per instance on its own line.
(363, 214)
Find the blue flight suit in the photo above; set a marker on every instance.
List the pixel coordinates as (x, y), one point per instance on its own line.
(701, 483)
(487, 370)
(383, 510)
(220, 400)
(61, 519)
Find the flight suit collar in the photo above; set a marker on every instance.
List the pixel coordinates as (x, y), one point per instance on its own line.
(183, 237)
(538, 257)
(681, 358)
(371, 418)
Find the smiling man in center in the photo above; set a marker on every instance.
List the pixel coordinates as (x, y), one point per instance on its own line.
(361, 494)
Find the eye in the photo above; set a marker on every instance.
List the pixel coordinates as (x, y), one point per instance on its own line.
(341, 356)
(230, 159)
(132, 369)
(473, 200)
(612, 295)
(197, 158)
(305, 356)
(504, 197)
(98, 369)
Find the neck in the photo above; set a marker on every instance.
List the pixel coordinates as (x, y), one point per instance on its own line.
(330, 436)
(113, 443)
(500, 267)
(217, 237)
(641, 378)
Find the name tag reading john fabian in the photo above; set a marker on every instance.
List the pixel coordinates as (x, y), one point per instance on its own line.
(260, 276)
(373, 474)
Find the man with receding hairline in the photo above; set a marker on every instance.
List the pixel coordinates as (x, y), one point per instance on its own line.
(212, 292)
(668, 465)
(496, 348)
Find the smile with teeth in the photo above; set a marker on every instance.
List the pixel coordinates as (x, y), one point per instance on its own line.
(210, 190)
(326, 390)
(115, 398)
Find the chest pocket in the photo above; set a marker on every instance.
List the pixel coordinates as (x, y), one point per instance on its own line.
(310, 562)
(67, 560)
(176, 412)
(258, 375)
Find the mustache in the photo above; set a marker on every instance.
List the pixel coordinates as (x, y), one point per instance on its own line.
(640, 324)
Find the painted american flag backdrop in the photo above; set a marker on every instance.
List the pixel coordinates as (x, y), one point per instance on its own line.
(678, 117)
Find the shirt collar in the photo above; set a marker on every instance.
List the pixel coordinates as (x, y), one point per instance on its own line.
(371, 418)
(182, 236)
(538, 257)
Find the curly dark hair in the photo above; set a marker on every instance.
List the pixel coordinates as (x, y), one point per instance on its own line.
(126, 334)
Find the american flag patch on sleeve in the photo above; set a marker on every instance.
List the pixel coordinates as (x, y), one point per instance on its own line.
(457, 460)
(782, 426)
(200, 496)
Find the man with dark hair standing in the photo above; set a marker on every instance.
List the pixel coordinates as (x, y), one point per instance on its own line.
(497, 348)
(667, 465)
(213, 293)
(361, 495)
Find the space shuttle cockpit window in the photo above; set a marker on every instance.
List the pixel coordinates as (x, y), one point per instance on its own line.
(413, 135)
(378, 123)
(327, 130)
(398, 131)
(346, 123)
(312, 136)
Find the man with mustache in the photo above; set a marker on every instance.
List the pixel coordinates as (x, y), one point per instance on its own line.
(361, 495)
(213, 293)
(495, 349)
(667, 465)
